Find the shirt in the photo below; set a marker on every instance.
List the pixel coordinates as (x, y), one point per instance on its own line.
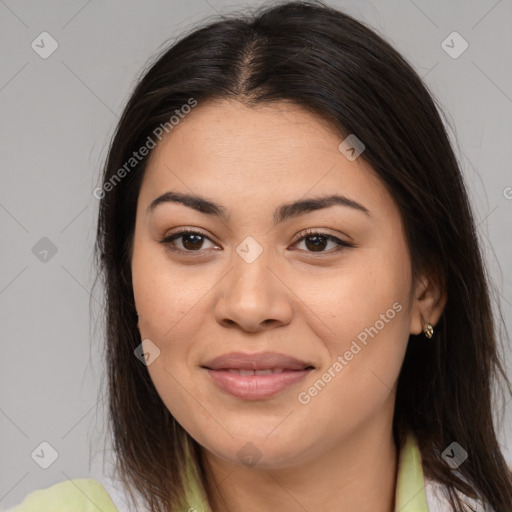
(413, 492)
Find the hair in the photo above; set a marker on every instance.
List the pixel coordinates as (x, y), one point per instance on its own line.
(343, 72)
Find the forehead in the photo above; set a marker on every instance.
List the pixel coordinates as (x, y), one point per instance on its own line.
(250, 156)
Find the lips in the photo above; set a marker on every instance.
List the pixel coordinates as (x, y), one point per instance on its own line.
(256, 376)
(257, 362)
(268, 371)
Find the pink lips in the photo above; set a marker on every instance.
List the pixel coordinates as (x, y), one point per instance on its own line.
(256, 376)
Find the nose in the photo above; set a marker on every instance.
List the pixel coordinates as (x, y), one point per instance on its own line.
(254, 296)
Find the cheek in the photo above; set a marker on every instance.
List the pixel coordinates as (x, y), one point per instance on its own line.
(163, 296)
(357, 294)
(162, 303)
(169, 320)
(365, 360)
(365, 318)
(168, 312)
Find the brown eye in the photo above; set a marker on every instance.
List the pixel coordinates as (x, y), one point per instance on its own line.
(317, 242)
(192, 241)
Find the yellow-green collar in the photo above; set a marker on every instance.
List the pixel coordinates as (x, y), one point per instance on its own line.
(410, 493)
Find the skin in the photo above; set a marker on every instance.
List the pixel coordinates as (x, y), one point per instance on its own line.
(337, 451)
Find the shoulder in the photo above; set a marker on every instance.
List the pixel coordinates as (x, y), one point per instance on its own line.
(78, 495)
(437, 498)
(120, 497)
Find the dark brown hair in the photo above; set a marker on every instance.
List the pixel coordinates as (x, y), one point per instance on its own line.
(343, 72)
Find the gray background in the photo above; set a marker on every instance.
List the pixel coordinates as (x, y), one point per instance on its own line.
(57, 117)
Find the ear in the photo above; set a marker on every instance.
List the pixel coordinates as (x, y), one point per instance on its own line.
(429, 300)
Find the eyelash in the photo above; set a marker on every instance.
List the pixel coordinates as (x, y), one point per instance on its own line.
(166, 242)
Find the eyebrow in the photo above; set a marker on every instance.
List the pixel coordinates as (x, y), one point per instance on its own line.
(281, 213)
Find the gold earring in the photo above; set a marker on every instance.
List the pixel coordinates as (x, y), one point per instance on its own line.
(428, 328)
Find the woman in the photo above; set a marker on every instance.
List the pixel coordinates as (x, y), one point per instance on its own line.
(298, 314)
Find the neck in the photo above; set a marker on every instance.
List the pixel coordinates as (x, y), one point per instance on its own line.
(359, 473)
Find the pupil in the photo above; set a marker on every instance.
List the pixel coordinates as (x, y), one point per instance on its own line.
(195, 243)
(320, 241)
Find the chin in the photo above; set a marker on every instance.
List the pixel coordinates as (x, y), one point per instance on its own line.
(259, 452)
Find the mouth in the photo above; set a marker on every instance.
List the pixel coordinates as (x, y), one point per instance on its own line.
(267, 371)
(256, 376)
(258, 361)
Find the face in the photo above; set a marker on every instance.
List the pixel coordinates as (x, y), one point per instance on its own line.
(328, 286)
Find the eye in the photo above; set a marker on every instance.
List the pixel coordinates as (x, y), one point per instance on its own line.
(193, 241)
(317, 241)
